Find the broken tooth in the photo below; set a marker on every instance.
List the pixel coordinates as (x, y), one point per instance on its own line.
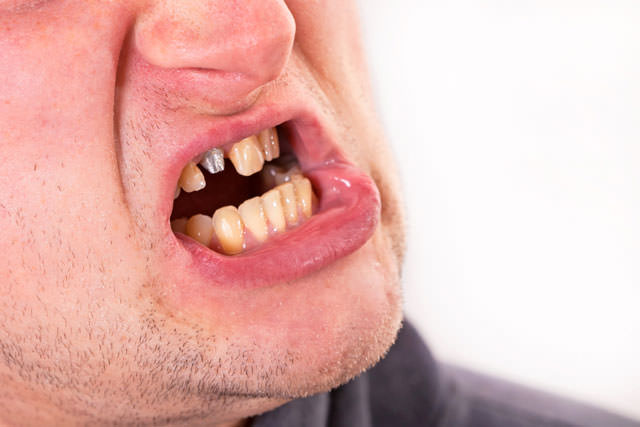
(199, 228)
(272, 203)
(288, 194)
(213, 161)
(191, 178)
(286, 176)
(270, 143)
(179, 225)
(177, 192)
(268, 176)
(229, 229)
(247, 156)
(253, 216)
(305, 195)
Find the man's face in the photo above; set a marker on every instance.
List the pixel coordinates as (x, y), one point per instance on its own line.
(106, 314)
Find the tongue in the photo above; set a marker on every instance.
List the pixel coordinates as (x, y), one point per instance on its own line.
(224, 188)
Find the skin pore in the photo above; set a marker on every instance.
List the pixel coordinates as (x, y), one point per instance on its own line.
(95, 96)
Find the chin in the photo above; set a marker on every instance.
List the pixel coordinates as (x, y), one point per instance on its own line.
(336, 323)
(303, 337)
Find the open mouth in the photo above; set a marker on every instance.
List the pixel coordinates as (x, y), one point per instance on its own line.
(237, 197)
(272, 207)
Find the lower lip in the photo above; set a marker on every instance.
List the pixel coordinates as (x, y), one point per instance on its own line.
(347, 217)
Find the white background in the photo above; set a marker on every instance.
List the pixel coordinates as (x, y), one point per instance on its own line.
(517, 128)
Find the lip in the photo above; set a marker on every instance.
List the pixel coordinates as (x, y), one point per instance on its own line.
(347, 216)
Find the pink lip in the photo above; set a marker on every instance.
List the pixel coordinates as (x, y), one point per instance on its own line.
(347, 217)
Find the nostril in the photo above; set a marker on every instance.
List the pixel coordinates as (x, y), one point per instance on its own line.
(251, 41)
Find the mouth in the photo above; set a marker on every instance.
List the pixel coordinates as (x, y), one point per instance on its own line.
(275, 205)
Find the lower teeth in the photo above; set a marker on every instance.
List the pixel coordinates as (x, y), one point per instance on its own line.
(234, 230)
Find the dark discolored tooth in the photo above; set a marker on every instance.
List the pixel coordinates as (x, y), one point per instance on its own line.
(213, 161)
(270, 144)
(179, 225)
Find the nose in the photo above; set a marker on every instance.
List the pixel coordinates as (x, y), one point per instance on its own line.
(245, 42)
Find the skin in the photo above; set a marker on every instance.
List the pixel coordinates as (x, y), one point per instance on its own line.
(91, 330)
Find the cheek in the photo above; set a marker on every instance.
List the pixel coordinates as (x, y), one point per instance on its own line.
(63, 226)
(62, 229)
(57, 79)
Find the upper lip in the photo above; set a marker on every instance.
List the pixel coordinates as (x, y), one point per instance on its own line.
(349, 203)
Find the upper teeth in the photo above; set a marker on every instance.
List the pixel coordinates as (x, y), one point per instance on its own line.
(191, 178)
(270, 144)
(247, 156)
(213, 160)
(288, 201)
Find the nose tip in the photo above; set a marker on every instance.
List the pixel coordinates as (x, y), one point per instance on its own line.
(248, 42)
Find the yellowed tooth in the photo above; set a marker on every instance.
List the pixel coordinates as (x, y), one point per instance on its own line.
(273, 209)
(304, 193)
(229, 229)
(191, 178)
(252, 214)
(179, 225)
(289, 202)
(270, 144)
(199, 227)
(247, 156)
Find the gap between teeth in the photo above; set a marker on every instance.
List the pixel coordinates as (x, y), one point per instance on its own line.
(247, 156)
(233, 230)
